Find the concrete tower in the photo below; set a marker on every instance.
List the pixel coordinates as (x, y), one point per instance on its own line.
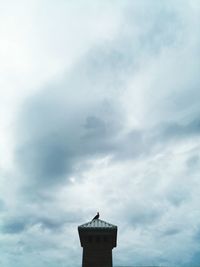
(97, 238)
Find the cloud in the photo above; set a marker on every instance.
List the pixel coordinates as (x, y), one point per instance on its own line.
(2, 205)
(82, 113)
(81, 119)
(19, 224)
(14, 227)
(172, 232)
(115, 129)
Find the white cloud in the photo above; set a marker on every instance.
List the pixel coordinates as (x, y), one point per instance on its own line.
(99, 112)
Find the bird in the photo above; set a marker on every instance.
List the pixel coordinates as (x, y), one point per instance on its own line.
(96, 217)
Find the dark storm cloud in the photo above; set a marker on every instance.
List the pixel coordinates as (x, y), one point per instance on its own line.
(46, 159)
(171, 232)
(51, 156)
(24, 222)
(73, 120)
(180, 130)
(2, 205)
(53, 149)
(80, 117)
(14, 226)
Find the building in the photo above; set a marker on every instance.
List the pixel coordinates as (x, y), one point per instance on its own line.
(97, 238)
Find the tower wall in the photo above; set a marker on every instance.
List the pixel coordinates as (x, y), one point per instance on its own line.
(97, 257)
(97, 239)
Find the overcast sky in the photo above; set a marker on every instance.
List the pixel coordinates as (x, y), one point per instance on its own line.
(99, 111)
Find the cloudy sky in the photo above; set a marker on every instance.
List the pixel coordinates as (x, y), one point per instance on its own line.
(99, 111)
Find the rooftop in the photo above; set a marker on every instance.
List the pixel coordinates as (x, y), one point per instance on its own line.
(97, 224)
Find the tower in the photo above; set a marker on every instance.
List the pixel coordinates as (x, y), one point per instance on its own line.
(97, 238)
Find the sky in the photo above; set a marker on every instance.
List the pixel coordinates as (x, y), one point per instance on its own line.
(99, 111)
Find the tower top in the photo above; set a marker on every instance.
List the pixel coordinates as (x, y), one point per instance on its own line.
(97, 224)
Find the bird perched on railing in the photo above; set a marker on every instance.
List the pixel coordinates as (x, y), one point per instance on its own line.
(96, 217)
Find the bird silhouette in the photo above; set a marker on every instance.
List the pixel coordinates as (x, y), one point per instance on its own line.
(96, 217)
